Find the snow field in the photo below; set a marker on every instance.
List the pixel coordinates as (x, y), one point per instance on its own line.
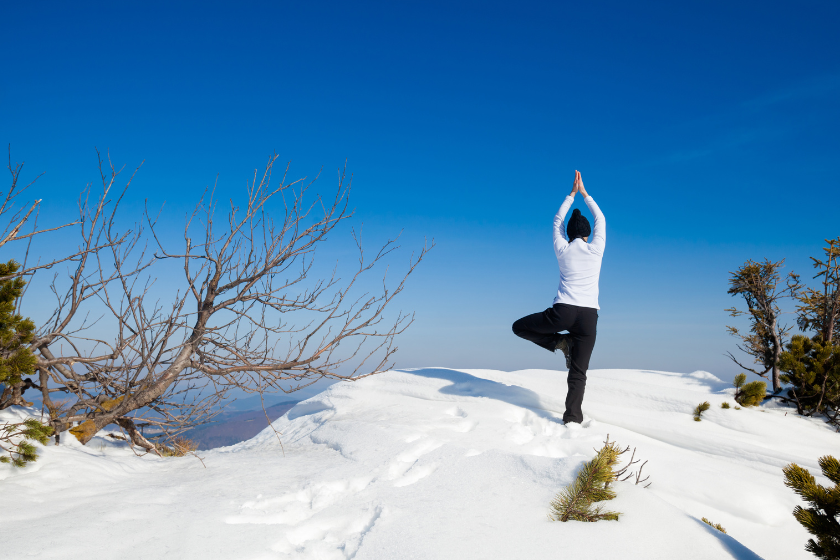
(435, 464)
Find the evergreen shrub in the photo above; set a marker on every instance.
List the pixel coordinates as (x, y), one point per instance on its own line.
(575, 502)
(822, 517)
(749, 394)
(812, 368)
(16, 360)
(592, 485)
(15, 441)
(700, 409)
(717, 526)
(724, 404)
(812, 365)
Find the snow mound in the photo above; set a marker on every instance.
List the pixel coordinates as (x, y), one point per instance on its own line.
(435, 464)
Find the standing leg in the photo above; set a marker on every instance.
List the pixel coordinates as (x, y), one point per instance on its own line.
(583, 333)
(542, 328)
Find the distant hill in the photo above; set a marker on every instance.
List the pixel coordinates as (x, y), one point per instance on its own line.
(232, 427)
(243, 404)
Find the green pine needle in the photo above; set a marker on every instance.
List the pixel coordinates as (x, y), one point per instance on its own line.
(575, 502)
(717, 526)
(751, 394)
(15, 441)
(822, 517)
(700, 409)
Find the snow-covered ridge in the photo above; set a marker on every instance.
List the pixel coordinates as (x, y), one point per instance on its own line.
(435, 463)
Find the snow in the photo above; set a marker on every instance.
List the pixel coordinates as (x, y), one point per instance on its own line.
(434, 464)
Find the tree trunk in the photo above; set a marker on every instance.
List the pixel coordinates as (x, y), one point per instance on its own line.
(777, 352)
(90, 428)
(57, 425)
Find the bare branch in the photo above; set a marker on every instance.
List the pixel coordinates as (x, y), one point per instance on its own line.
(248, 313)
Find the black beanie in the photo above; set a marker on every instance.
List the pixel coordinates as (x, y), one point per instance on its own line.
(578, 226)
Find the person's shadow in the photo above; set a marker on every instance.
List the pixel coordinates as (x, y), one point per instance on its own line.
(466, 385)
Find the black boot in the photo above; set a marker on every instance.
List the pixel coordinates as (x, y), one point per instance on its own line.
(565, 345)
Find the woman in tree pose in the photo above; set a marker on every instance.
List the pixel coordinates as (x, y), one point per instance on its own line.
(575, 307)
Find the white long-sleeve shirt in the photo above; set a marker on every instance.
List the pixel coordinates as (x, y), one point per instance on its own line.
(579, 261)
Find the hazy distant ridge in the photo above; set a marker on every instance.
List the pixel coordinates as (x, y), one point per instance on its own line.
(232, 427)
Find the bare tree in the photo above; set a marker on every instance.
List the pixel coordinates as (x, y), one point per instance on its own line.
(759, 284)
(251, 311)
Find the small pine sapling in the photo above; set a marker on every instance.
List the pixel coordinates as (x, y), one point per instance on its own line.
(700, 409)
(574, 503)
(822, 518)
(739, 380)
(724, 404)
(717, 526)
(15, 441)
(749, 394)
(592, 485)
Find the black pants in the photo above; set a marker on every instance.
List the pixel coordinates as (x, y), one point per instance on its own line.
(542, 329)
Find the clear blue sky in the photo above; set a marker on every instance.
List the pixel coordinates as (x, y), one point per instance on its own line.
(706, 131)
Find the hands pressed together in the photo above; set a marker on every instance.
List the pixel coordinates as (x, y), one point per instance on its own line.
(578, 185)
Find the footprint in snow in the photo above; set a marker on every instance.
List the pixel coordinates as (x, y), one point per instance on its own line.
(457, 412)
(299, 505)
(312, 527)
(331, 537)
(461, 424)
(415, 474)
(520, 435)
(405, 471)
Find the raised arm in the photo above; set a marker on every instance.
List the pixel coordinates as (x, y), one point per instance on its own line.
(560, 239)
(599, 235)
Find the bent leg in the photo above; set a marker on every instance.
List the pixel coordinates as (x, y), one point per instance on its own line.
(583, 333)
(542, 328)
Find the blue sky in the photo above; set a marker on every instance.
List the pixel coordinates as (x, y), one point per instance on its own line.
(706, 131)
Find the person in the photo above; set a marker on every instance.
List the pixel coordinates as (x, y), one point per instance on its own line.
(575, 307)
